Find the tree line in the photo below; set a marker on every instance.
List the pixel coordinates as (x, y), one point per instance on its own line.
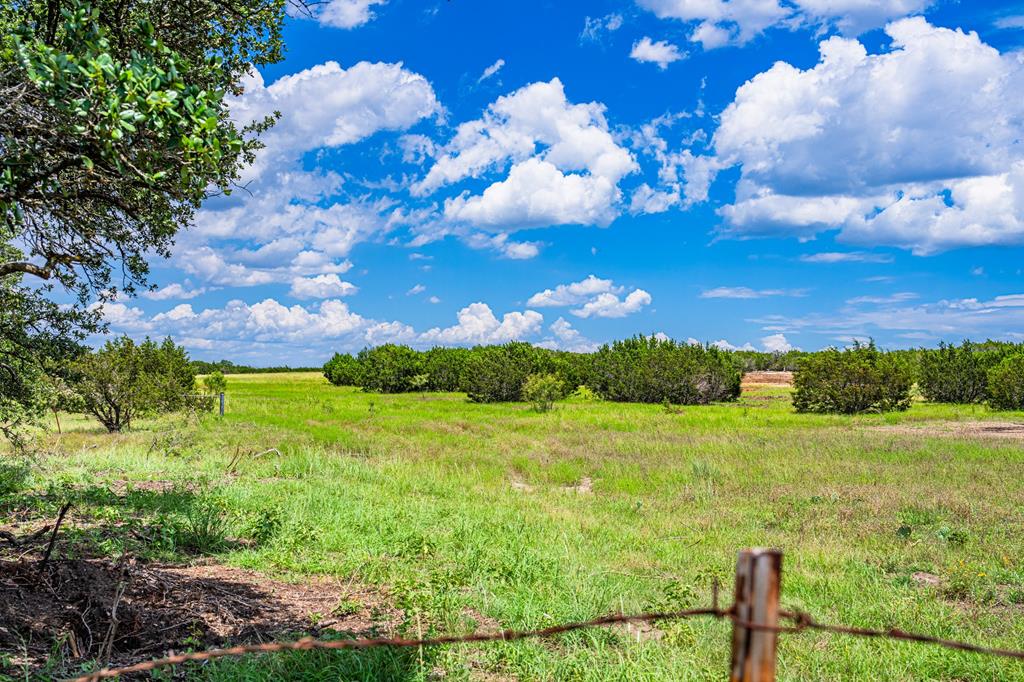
(860, 378)
(863, 378)
(639, 369)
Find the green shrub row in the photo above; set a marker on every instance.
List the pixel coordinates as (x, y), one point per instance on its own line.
(860, 378)
(973, 373)
(639, 369)
(865, 379)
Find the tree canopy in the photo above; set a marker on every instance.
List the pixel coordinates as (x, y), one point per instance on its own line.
(114, 127)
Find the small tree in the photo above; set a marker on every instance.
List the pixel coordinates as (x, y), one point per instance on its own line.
(646, 369)
(343, 370)
(496, 374)
(955, 374)
(444, 365)
(124, 380)
(1006, 384)
(857, 379)
(215, 383)
(543, 390)
(389, 368)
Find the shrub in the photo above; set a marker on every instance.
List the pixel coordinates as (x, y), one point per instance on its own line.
(205, 527)
(389, 369)
(955, 374)
(444, 368)
(543, 390)
(215, 383)
(1006, 383)
(584, 394)
(650, 370)
(858, 379)
(575, 369)
(14, 475)
(493, 374)
(124, 380)
(343, 370)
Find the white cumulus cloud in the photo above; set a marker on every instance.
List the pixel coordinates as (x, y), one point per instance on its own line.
(345, 14)
(174, 291)
(595, 297)
(321, 286)
(566, 337)
(776, 343)
(303, 218)
(716, 23)
(477, 324)
(661, 52)
(563, 162)
(920, 147)
(609, 305)
(573, 293)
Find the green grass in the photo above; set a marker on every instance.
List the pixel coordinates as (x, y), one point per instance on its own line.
(460, 509)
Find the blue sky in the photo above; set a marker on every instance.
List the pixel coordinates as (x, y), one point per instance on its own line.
(754, 173)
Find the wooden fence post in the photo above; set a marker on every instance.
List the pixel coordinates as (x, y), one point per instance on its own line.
(222, 403)
(758, 579)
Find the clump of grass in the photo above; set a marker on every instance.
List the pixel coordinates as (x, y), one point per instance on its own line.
(204, 529)
(14, 475)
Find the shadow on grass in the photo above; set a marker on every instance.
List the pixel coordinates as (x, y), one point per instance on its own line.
(77, 615)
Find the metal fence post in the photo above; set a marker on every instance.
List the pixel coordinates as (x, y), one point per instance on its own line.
(222, 403)
(758, 580)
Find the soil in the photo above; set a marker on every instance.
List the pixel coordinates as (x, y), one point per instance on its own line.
(767, 379)
(973, 429)
(121, 612)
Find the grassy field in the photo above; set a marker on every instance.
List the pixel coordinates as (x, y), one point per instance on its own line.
(466, 514)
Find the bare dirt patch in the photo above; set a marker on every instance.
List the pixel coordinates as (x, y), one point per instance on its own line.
(584, 487)
(767, 379)
(120, 612)
(952, 429)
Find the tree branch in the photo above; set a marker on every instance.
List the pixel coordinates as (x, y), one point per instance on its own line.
(25, 267)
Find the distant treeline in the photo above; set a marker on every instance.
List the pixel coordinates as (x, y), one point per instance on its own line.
(639, 369)
(861, 378)
(228, 367)
(864, 379)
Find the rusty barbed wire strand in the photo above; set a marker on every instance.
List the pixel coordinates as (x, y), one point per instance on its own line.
(308, 643)
(802, 623)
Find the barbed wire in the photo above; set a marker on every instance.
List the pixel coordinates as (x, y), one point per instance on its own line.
(801, 623)
(804, 621)
(308, 643)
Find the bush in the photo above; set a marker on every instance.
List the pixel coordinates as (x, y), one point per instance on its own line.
(1006, 383)
(444, 367)
(858, 379)
(650, 370)
(390, 369)
(956, 374)
(543, 390)
(124, 380)
(575, 369)
(584, 394)
(343, 370)
(14, 475)
(215, 383)
(494, 374)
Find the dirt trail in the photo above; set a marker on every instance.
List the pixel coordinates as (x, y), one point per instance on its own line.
(954, 429)
(751, 379)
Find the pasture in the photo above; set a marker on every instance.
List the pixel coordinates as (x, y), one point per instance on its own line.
(429, 514)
